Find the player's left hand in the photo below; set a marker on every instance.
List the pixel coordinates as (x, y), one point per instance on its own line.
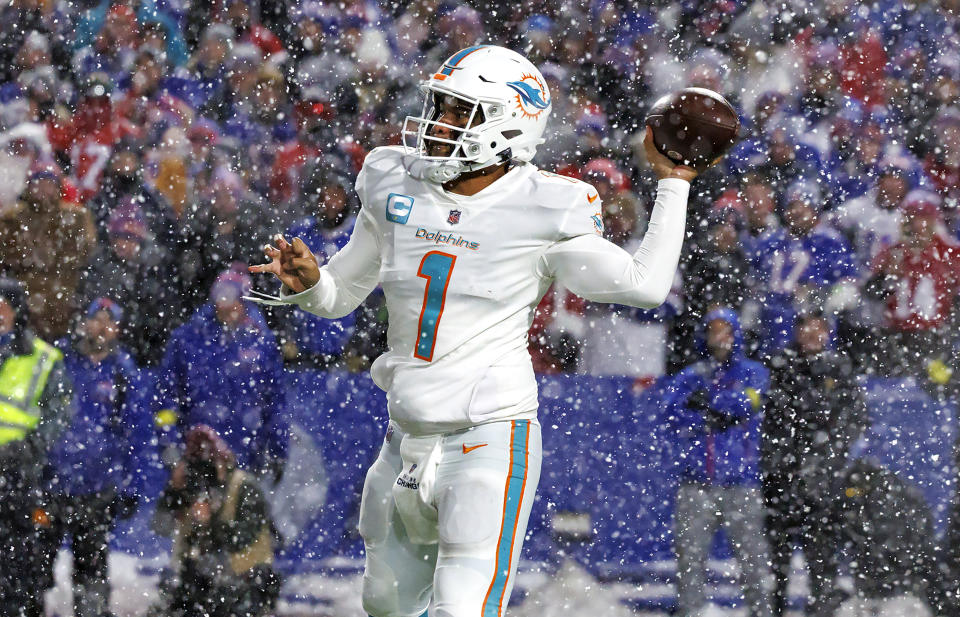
(663, 167)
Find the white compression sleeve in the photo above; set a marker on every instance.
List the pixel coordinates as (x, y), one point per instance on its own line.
(347, 279)
(598, 270)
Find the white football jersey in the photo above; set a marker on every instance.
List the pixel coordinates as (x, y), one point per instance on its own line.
(462, 276)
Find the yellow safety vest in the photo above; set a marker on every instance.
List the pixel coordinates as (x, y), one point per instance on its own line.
(22, 380)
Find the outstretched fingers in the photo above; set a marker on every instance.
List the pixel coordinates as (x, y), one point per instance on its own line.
(270, 268)
(271, 251)
(300, 247)
(285, 247)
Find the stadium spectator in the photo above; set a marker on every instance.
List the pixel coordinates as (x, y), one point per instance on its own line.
(223, 368)
(50, 269)
(247, 29)
(44, 22)
(203, 81)
(138, 104)
(799, 266)
(111, 51)
(138, 275)
(942, 164)
(852, 172)
(319, 139)
(148, 16)
(759, 207)
(458, 29)
(715, 273)
(36, 396)
(232, 226)
(122, 184)
(887, 531)
(91, 133)
(918, 280)
(714, 409)
(912, 108)
(815, 411)
(142, 123)
(24, 147)
(778, 154)
(818, 97)
(34, 54)
(223, 556)
(95, 468)
(556, 335)
(326, 63)
(872, 221)
(172, 186)
(758, 61)
(238, 98)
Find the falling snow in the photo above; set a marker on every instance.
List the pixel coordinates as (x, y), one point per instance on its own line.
(778, 437)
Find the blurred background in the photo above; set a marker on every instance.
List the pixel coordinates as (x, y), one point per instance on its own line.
(806, 358)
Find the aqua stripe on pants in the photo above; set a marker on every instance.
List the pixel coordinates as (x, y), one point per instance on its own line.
(516, 484)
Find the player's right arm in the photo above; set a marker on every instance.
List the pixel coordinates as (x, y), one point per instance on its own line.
(601, 271)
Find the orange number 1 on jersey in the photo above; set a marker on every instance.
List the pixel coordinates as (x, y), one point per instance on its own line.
(436, 267)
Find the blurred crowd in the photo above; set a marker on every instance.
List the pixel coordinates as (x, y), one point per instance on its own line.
(149, 148)
(155, 144)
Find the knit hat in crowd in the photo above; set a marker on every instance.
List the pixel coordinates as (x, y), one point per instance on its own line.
(105, 304)
(126, 221)
(607, 169)
(922, 203)
(45, 171)
(231, 284)
(805, 190)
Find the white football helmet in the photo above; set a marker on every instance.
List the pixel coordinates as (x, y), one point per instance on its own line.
(510, 98)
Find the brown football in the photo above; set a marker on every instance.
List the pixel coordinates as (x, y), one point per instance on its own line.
(693, 126)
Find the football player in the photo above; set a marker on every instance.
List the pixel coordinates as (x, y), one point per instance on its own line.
(464, 235)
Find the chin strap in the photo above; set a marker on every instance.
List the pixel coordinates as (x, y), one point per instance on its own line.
(441, 172)
(437, 172)
(266, 299)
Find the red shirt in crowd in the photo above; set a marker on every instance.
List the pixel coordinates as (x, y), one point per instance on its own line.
(945, 178)
(860, 62)
(928, 280)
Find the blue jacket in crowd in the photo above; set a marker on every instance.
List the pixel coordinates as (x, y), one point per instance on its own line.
(229, 380)
(782, 263)
(91, 22)
(107, 442)
(734, 390)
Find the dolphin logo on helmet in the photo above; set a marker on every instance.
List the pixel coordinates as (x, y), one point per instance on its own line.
(528, 94)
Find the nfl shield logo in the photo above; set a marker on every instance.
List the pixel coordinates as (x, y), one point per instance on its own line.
(454, 217)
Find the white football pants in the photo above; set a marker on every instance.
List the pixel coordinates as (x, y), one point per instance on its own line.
(445, 516)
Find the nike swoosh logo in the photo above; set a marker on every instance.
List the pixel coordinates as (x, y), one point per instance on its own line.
(593, 198)
(467, 450)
